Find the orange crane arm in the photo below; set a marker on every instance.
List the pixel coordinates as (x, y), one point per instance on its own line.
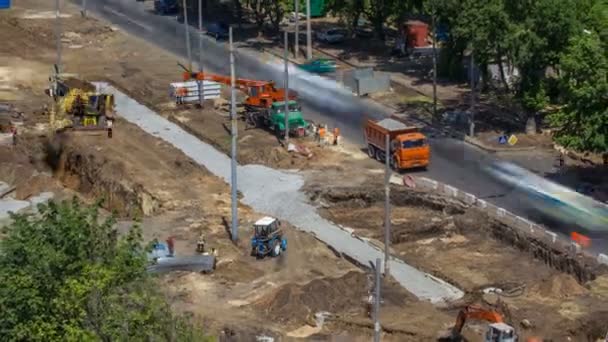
(475, 312)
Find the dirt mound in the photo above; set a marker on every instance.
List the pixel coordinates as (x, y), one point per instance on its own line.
(343, 296)
(559, 286)
(295, 302)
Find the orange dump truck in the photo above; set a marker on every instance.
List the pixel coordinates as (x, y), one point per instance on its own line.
(409, 148)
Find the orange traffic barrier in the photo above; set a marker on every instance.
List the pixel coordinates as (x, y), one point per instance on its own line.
(580, 239)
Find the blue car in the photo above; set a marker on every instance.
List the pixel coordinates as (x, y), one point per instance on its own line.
(166, 7)
(218, 30)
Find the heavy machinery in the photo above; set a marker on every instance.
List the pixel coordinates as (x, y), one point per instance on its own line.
(261, 104)
(498, 330)
(409, 148)
(268, 238)
(80, 107)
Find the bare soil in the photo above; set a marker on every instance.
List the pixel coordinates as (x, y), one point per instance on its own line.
(470, 250)
(140, 176)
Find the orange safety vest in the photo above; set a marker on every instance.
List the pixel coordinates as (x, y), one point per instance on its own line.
(322, 132)
(182, 92)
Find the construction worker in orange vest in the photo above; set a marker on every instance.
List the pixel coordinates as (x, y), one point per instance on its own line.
(322, 134)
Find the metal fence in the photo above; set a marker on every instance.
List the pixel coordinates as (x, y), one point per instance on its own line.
(502, 215)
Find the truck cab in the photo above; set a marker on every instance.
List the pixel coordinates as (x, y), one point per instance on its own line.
(276, 118)
(500, 332)
(410, 150)
(408, 147)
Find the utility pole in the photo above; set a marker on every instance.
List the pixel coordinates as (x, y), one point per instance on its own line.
(58, 34)
(472, 117)
(201, 83)
(83, 12)
(387, 205)
(187, 36)
(286, 89)
(297, 45)
(435, 117)
(308, 33)
(234, 133)
(377, 302)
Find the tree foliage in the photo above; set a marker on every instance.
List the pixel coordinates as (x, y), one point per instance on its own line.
(68, 276)
(583, 120)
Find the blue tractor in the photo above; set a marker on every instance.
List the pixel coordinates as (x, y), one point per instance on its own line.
(268, 238)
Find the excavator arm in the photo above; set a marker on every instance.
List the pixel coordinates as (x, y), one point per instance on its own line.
(475, 312)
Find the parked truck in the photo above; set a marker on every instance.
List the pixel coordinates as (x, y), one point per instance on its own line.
(409, 148)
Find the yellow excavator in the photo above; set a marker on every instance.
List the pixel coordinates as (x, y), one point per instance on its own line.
(79, 107)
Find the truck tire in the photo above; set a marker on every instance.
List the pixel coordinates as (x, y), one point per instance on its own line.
(371, 151)
(394, 164)
(379, 156)
(276, 248)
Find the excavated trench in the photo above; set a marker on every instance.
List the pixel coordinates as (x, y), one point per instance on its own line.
(441, 217)
(82, 170)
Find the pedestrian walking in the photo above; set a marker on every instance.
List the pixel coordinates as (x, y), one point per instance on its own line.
(336, 135)
(109, 123)
(14, 132)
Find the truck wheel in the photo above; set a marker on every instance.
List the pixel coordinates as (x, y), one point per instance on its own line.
(276, 248)
(394, 164)
(371, 151)
(379, 155)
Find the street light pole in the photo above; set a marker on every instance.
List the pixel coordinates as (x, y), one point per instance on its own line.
(377, 302)
(387, 205)
(308, 33)
(187, 36)
(286, 89)
(201, 83)
(297, 44)
(234, 133)
(472, 118)
(434, 64)
(58, 34)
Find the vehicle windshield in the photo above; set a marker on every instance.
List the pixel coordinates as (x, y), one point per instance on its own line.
(292, 108)
(414, 143)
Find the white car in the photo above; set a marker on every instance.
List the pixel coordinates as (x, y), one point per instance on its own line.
(332, 35)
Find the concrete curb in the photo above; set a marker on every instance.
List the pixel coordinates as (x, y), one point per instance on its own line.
(477, 143)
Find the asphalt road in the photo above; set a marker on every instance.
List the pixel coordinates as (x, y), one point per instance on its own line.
(453, 162)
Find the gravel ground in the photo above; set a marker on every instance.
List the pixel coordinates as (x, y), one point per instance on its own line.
(278, 193)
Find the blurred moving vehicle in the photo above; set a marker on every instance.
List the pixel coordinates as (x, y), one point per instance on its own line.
(554, 200)
(166, 7)
(218, 30)
(332, 35)
(319, 66)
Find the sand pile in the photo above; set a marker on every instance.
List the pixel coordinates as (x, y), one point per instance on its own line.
(345, 295)
(293, 302)
(559, 286)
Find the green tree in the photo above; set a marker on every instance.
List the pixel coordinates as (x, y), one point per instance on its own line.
(68, 276)
(583, 120)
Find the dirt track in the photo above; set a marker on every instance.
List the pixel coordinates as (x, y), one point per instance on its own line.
(140, 176)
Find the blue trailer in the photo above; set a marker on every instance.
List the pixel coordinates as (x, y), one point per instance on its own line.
(5, 4)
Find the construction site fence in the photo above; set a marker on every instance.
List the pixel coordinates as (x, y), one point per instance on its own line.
(531, 229)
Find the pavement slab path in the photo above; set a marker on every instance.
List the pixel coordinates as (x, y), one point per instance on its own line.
(278, 193)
